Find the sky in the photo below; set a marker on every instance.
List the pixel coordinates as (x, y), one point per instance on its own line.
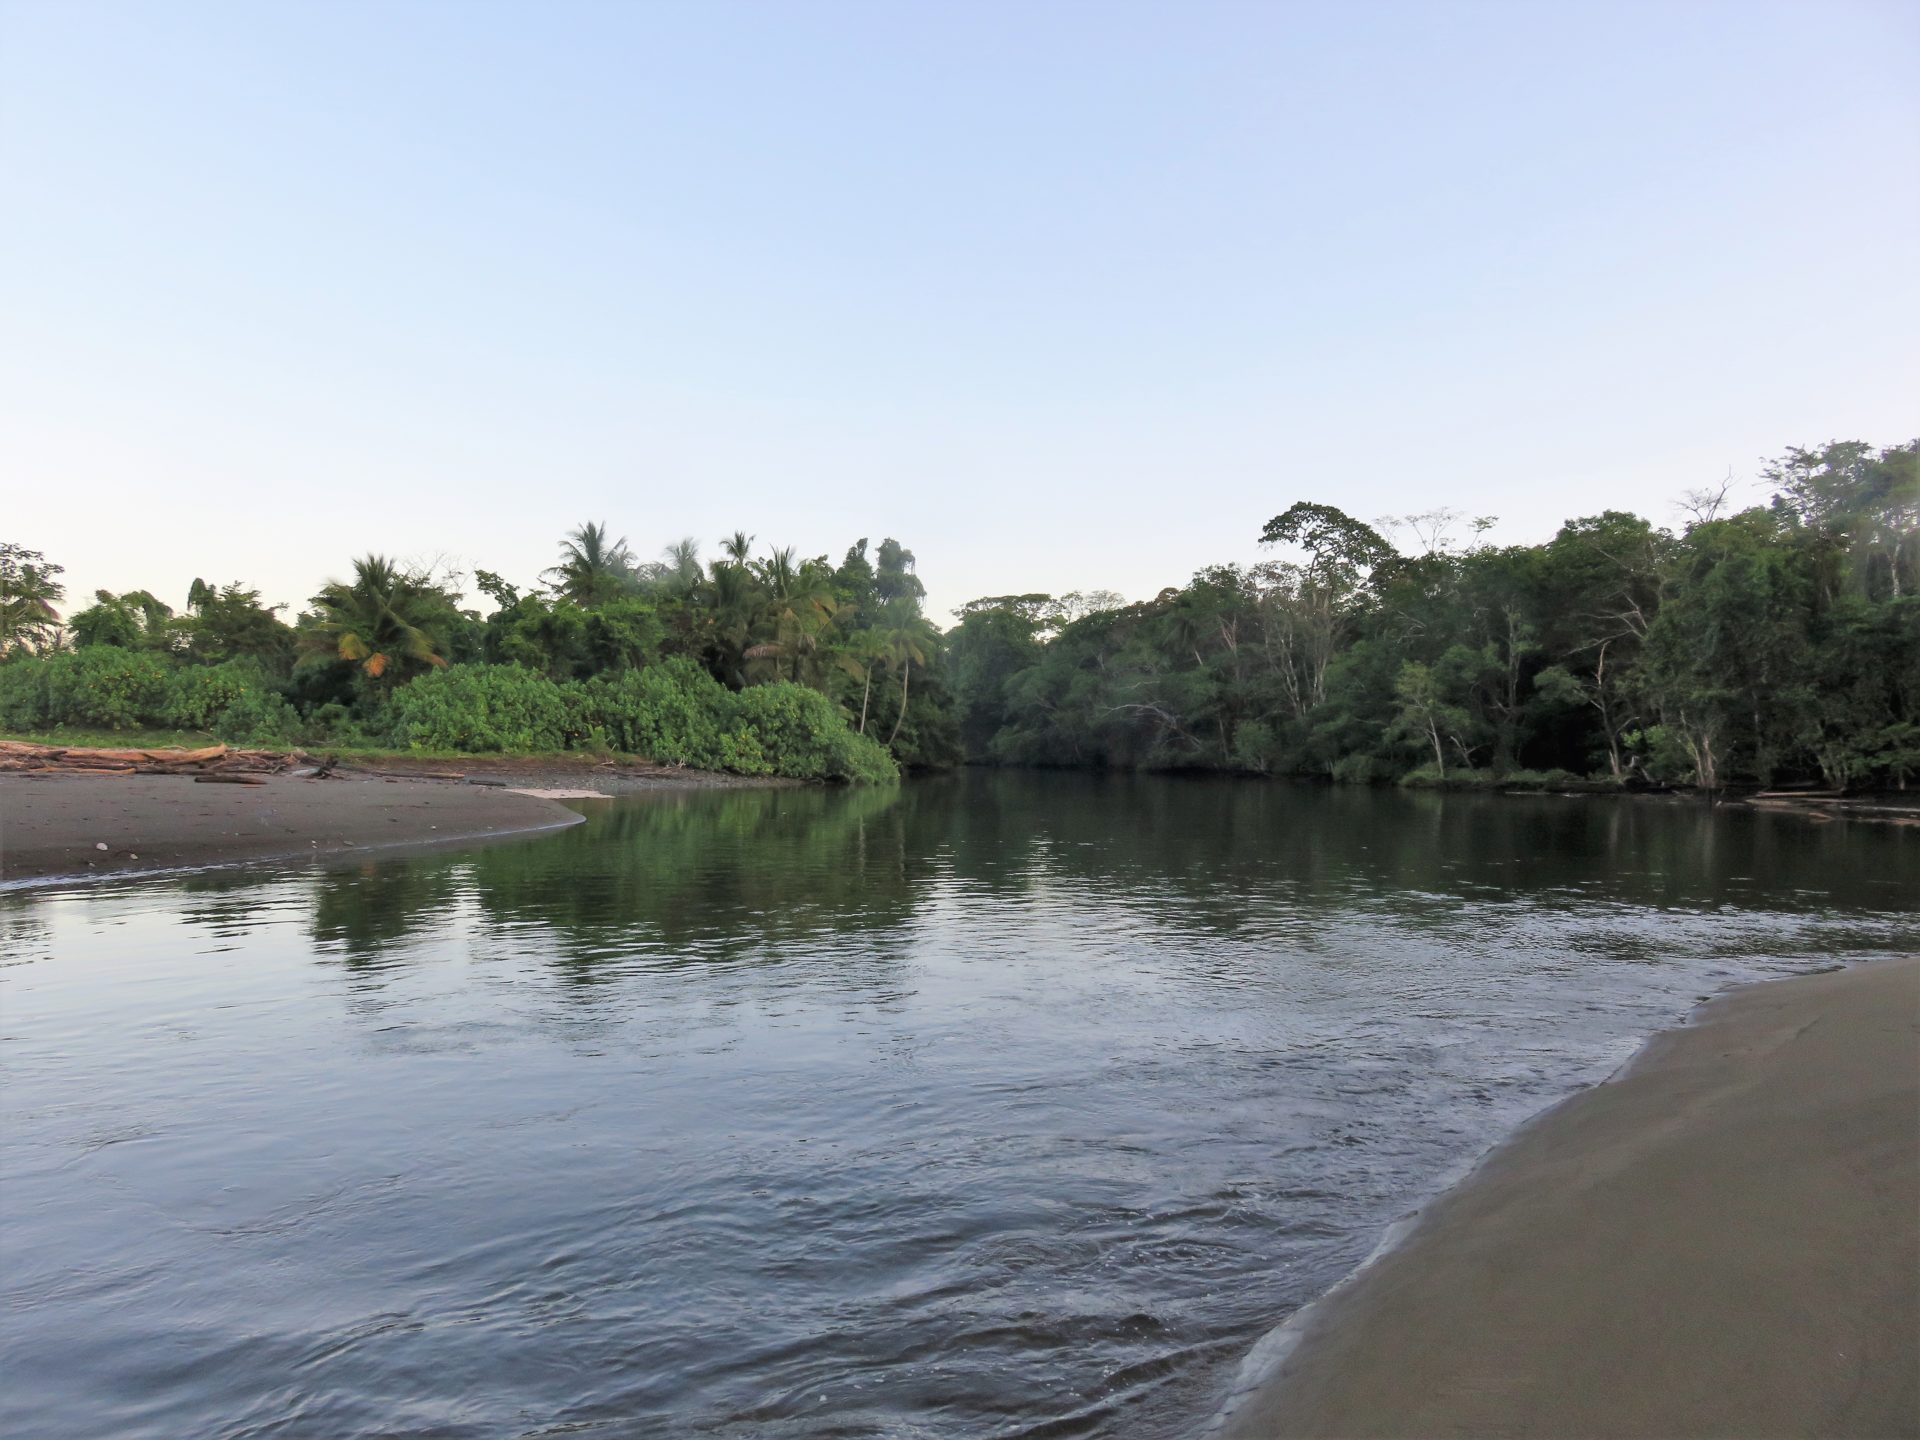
(1062, 295)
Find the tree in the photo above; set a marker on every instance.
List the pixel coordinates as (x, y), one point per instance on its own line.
(908, 639)
(799, 607)
(1869, 501)
(1727, 660)
(388, 623)
(854, 579)
(683, 570)
(592, 568)
(893, 577)
(1342, 551)
(136, 620)
(1426, 715)
(503, 595)
(230, 623)
(29, 590)
(862, 653)
(996, 640)
(1305, 611)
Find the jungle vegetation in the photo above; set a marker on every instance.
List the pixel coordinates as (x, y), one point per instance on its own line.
(1771, 644)
(1775, 643)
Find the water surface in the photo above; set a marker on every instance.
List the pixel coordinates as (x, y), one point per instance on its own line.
(1004, 1105)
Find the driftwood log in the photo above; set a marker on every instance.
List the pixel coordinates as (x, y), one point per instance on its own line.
(208, 762)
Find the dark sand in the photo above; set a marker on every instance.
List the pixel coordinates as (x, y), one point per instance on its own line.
(1724, 1240)
(51, 825)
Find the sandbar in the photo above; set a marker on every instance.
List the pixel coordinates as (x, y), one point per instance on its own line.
(53, 826)
(1722, 1240)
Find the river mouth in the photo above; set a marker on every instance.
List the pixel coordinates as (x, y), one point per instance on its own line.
(1000, 1105)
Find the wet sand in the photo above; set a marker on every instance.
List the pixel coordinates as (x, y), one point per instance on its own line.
(1723, 1240)
(53, 825)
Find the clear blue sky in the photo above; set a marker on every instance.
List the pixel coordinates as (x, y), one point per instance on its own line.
(1062, 295)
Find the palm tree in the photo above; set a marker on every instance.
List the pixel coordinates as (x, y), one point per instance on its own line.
(800, 605)
(738, 546)
(733, 602)
(378, 623)
(28, 593)
(860, 653)
(908, 638)
(592, 568)
(681, 562)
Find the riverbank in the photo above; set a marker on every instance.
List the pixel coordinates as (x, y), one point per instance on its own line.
(64, 823)
(55, 826)
(1722, 1240)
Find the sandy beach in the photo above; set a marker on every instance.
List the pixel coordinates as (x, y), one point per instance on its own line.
(55, 825)
(1723, 1240)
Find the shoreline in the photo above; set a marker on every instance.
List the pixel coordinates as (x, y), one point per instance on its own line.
(58, 829)
(63, 825)
(1722, 1238)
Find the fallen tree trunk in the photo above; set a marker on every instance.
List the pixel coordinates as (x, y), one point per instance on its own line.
(24, 755)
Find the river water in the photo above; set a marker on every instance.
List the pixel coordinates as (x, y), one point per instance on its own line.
(1001, 1105)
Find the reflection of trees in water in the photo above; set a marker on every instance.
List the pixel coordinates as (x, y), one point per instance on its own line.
(732, 876)
(26, 934)
(366, 913)
(687, 878)
(1213, 844)
(224, 903)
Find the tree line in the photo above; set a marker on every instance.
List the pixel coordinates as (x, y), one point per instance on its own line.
(1774, 643)
(707, 662)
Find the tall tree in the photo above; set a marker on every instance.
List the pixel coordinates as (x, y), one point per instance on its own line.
(893, 577)
(136, 620)
(30, 588)
(593, 567)
(388, 623)
(909, 640)
(230, 623)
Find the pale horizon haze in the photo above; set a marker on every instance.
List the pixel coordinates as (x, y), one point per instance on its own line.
(1063, 296)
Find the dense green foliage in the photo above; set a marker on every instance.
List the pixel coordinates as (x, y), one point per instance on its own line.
(1778, 643)
(107, 687)
(673, 712)
(768, 666)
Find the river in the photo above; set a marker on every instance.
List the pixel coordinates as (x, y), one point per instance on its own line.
(1001, 1105)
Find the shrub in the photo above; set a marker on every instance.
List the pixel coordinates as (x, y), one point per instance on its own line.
(259, 717)
(803, 735)
(1359, 769)
(198, 695)
(335, 724)
(673, 712)
(108, 688)
(1255, 747)
(478, 708)
(23, 693)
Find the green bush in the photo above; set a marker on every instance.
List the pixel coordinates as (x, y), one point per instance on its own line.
(803, 735)
(23, 693)
(199, 695)
(477, 708)
(259, 717)
(105, 687)
(676, 713)
(1255, 747)
(673, 712)
(1360, 768)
